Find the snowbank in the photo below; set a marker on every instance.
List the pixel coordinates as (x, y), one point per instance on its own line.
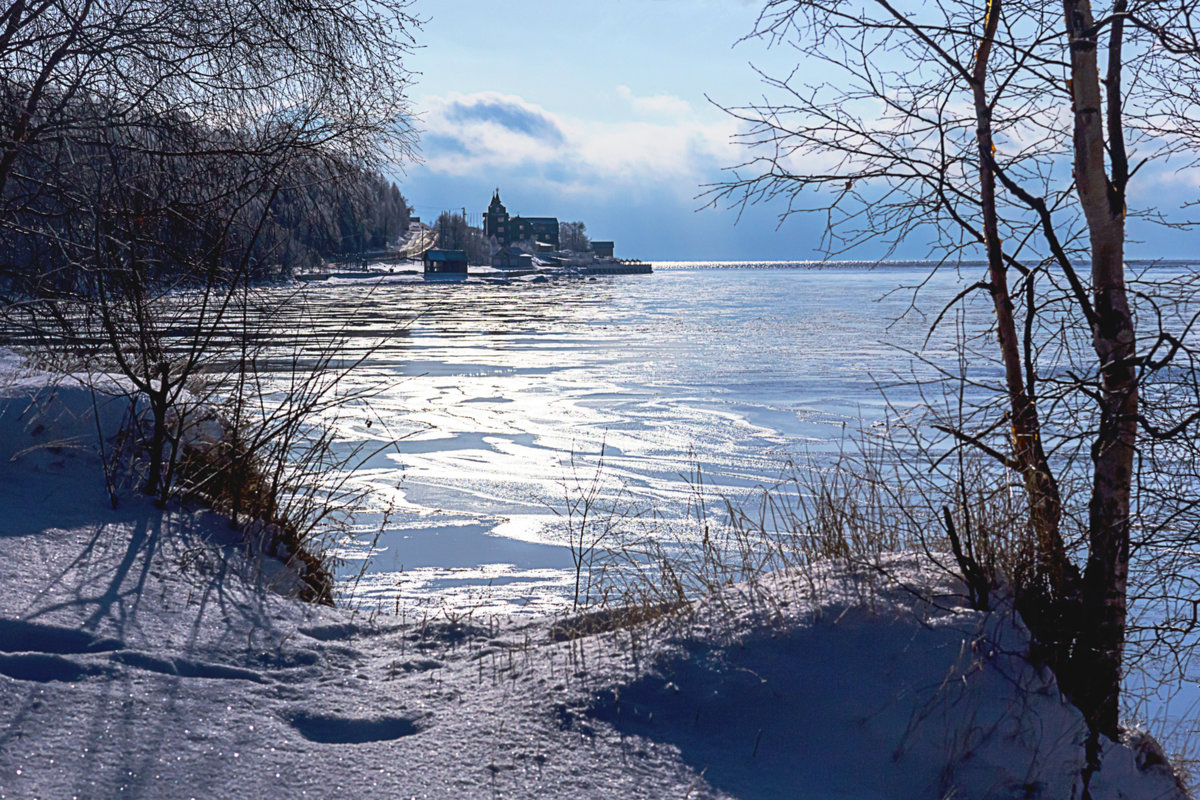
(847, 682)
(141, 655)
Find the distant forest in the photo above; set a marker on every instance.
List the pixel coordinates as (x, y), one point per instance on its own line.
(154, 144)
(313, 222)
(169, 195)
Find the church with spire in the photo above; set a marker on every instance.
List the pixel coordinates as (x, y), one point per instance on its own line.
(506, 230)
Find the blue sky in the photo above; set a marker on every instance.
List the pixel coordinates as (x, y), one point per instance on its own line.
(593, 112)
(597, 111)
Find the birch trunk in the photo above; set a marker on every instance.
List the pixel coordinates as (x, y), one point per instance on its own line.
(1096, 664)
(1044, 608)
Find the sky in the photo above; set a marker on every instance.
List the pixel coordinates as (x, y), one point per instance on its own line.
(608, 112)
(594, 112)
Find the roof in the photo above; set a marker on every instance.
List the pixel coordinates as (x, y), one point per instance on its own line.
(446, 255)
(538, 220)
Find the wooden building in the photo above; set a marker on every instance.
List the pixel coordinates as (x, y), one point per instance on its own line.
(512, 258)
(506, 229)
(603, 249)
(446, 263)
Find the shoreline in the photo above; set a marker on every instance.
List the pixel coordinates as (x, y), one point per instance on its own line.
(374, 272)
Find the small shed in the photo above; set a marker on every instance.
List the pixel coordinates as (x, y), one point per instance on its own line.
(603, 249)
(512, 258)
(445, 262)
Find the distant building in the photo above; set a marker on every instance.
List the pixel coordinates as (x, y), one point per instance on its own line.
(496, 222)
(512, 258)
(543, 230)
(507, 230)
(446, 262)
(603, 249)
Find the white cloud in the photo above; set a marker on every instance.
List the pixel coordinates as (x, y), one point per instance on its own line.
(659, 104)
(488, 132)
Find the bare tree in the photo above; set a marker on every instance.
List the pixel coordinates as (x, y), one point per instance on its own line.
(573, 236)
(143, 148)
(1004, 129)
(455, 233)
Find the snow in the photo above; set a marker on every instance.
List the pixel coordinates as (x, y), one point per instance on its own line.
(145, 653)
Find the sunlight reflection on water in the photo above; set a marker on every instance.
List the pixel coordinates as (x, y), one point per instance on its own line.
(490, 389)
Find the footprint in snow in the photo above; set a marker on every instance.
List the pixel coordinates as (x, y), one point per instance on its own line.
(30, 651)
(328, 729)
(17, 636)
(45, 667)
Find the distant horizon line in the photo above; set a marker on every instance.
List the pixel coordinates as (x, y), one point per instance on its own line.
(892, 262)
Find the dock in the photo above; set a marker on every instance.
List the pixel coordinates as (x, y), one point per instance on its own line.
(619, 267)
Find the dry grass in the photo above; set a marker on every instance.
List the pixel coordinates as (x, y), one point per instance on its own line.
(238, 482)
(869, 501)
(855, 508)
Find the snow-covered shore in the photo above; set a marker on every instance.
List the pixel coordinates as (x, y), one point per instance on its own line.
(142, 655)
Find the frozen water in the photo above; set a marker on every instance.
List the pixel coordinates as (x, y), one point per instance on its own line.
(502, 395)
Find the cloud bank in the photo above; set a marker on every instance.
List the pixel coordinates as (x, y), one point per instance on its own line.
(660, 140)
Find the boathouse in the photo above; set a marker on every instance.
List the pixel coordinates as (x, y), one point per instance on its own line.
(445, 262)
